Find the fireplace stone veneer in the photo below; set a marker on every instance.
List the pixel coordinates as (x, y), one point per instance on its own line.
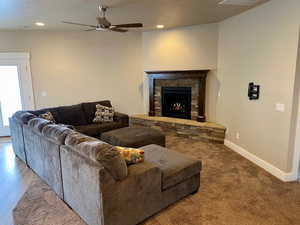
(194, 79)
(206, 132)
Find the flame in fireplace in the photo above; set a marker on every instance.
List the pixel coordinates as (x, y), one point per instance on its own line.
(178, 107)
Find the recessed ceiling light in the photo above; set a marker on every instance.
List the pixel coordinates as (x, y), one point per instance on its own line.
(40, 24)
(160, 26)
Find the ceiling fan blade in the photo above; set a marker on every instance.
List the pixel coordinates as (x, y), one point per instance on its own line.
(118, 30)
(103, 21)
(80, 24)
(129, 25)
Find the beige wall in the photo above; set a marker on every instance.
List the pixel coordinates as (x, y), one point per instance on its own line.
(188, 48)
(73, 67)
(260, 46)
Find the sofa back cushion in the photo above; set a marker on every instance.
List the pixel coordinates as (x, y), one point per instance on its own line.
(54, 112)
(71, 115)
(56, 133)
(89, 109)
(98, 151)
(37, 124)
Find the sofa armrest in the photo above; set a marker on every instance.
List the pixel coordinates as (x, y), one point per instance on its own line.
(23, 116)
(81, 185)
(122, 118)
(133, 199)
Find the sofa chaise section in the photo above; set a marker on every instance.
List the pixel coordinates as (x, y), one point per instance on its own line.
(101, 198)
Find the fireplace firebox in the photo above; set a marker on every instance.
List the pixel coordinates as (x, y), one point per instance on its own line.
(176, 102)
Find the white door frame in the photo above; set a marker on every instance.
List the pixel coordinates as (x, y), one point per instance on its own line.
(21, 60)
(295, 174)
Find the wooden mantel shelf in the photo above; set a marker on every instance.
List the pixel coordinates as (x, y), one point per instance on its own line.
(176, 71)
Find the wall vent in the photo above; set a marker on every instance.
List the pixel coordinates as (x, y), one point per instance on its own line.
(239, 2)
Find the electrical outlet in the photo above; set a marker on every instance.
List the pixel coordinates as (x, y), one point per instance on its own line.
(237, 135)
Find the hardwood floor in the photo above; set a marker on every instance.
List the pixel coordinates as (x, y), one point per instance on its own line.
(15, 177)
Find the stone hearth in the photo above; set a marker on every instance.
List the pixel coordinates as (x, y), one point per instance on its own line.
(203, 131)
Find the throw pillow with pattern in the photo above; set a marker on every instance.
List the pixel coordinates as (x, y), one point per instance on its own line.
(47, 116)
(104, 114)
(131, 155)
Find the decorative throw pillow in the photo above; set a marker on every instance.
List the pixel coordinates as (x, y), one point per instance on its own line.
(104, 114)
(47, 116)
(131, 155)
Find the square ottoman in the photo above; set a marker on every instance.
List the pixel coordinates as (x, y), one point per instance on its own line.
(175, 166)
(134, 137)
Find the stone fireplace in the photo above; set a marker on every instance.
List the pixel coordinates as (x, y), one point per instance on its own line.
(179, 94)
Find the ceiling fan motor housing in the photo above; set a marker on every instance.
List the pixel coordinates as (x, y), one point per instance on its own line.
(104, 24)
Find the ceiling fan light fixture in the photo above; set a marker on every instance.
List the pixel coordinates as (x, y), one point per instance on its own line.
(39, 24)
(160, 26)
(104, 25)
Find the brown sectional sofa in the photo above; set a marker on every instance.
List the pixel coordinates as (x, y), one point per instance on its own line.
(92, 177)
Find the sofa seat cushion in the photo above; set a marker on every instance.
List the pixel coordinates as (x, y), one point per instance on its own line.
(89, 109)
(96, 129)
(176, 167)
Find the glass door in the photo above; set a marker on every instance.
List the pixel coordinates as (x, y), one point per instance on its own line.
(10, 96)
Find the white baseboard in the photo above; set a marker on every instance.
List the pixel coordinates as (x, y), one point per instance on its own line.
(283, 176)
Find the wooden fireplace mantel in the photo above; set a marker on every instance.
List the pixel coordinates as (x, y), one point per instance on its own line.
(199, 75)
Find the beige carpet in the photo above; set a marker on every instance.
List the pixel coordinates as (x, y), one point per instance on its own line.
(233, 192)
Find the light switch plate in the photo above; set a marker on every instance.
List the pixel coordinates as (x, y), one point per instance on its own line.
(280, 107)
(44, 93)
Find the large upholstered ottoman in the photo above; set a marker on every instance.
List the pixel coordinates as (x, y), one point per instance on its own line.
(134, 137)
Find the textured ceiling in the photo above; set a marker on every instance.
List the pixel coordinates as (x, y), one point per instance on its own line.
(22, 14)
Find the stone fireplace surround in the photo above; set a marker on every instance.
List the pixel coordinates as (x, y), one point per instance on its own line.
(195, 128)
(196, 79)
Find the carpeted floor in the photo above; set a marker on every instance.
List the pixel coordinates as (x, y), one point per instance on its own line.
(233, 191)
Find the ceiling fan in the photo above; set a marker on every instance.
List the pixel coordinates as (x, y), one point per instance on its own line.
(103, 24)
